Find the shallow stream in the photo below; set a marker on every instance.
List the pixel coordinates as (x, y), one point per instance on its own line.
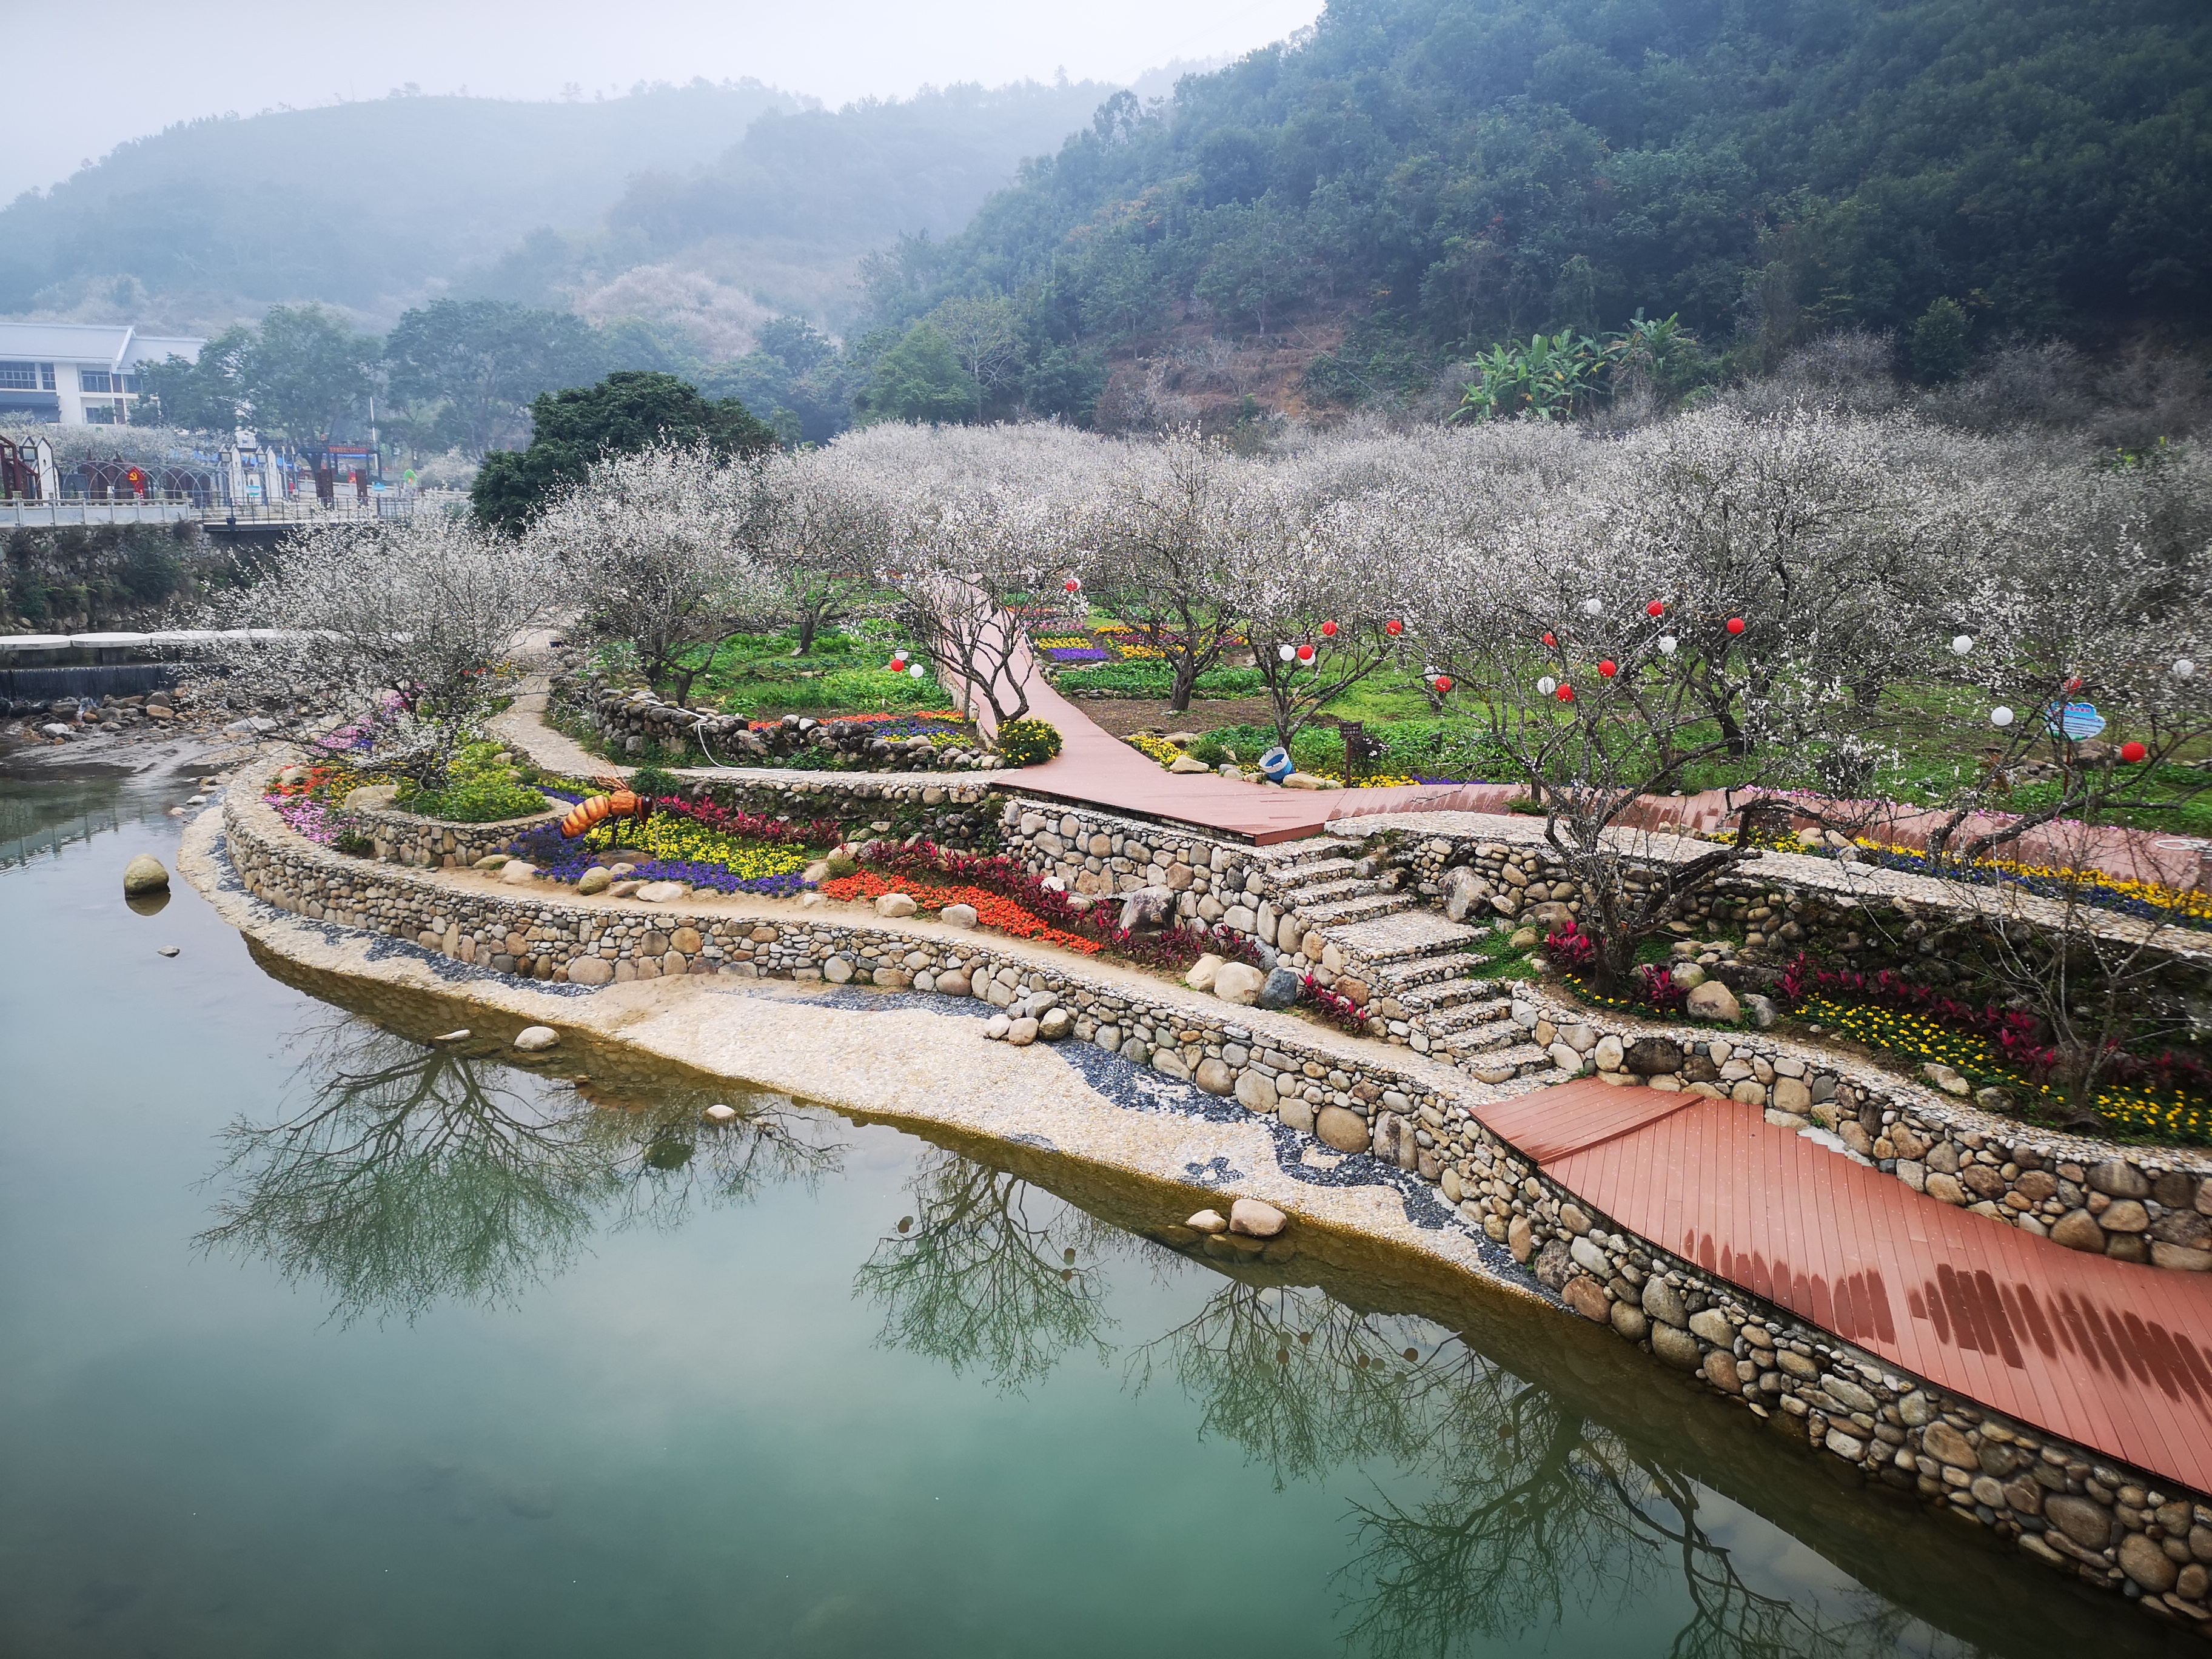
(323, 1339)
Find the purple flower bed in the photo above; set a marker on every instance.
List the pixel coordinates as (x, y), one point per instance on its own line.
(712, 876)
(1075, 653)
(310, 819)
(914, 725)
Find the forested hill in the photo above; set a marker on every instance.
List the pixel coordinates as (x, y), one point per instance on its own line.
(1412, 180)
(356, 205)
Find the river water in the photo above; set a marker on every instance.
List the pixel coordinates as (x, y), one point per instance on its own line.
(323, 1339)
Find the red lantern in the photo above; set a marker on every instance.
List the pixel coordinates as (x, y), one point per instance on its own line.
(2133, 753)
(1566, 694)
(1735, 624)
(1608, 668)
(1073, 585)
(1443, 683)
(1551, 639)
(2073, 685)
(1328, 630)
(1655, 609)
(1305, 654)
(1393, 627)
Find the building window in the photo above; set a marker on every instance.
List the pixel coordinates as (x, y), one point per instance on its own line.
(127, 383)
(19, 377)
(96, 379)
(46, 377)
(100, 414)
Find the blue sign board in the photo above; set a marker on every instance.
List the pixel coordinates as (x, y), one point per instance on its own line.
(2076, 722)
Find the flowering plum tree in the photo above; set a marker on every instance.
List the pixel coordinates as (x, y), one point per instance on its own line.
(1171, 530)
(408, 629)
(652, 550)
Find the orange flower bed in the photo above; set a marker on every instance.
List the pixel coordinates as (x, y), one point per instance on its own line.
(992, 910)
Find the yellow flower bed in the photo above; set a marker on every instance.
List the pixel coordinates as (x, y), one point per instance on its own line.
(1380, 780)
(1141, 650)
(1061, 642)
(664, 836)
(1158, 749)
(2173, 1117)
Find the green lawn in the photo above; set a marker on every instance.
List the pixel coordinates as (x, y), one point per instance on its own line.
(759, 676)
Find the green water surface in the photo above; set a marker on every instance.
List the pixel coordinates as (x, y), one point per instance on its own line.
(319, 1339)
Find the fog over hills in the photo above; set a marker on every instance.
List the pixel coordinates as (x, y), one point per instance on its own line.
(707, 206)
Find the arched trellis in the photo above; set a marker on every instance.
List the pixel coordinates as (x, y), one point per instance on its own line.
(118, 480)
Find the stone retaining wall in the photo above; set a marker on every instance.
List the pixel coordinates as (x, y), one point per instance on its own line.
(635, 722)
(431, 844)
(2114, 1527)
(1101, 855)
(1860, 914)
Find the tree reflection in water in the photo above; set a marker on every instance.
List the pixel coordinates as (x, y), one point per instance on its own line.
(417, 1175)
(991, 1273)
(1534, 1510)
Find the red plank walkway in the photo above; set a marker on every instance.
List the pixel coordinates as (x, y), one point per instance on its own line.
(2110, 1355)
(1097, 768)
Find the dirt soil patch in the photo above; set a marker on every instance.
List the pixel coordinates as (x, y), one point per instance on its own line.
(1122, 715)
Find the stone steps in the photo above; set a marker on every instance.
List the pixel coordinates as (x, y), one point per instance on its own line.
(1482, 1014)
(1483, 1036)
(1323, 892)
(1408, 973)
(1432, 1001)
(1369, 906)
(1524, 1060)
(1399, 936)
(1304, 877)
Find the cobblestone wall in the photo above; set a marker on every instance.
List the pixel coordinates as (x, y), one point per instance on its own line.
(2114, 1527)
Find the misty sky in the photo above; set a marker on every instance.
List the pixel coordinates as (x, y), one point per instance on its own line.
(835, 50)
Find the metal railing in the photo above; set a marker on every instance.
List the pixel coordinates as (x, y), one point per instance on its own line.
(34, 514)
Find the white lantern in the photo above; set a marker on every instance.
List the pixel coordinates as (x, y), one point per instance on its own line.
(1666, 644)
(1286, 652)
(917, 671)
(2000, 716)
(2184, 669)
(1961, 644)
(1547, 685)
(1592, 606)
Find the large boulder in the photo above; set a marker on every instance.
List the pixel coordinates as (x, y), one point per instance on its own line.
(1280, 988)
(144, 874)
(1238, 982)
(1256, 1218)
(372, 798)
(1463, 890)
(1147, 907)
(1714, 1001)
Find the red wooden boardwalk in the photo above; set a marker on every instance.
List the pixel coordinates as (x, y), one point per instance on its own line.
(2110, 1355)
(1094, 768)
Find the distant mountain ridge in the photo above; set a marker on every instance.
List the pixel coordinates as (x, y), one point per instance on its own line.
(366, 206)
(703, 208)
